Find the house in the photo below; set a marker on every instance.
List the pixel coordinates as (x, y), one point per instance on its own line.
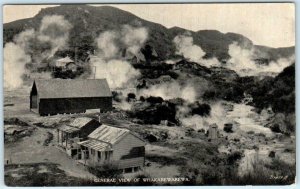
(114, 146)
(71, 66)
(63, 62)
(58, 96)
(77, 130)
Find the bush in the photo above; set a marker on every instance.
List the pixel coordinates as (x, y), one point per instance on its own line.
(106, 171)
(130, 96)
(200, 109)
(154, 100)
(228, 128)
(117, 96)
(234, 157)
(272, 154)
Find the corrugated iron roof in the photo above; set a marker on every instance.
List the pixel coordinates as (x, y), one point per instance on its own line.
(96, 145)
(80, 122)
(68, 129)
(72, 88)
(67, 59)
(108, 134)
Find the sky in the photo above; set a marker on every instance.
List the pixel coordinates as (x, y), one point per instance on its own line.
(268, 24)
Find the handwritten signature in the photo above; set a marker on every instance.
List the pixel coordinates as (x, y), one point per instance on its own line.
(280, 177)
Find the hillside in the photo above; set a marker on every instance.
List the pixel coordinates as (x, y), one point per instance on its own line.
(89, 21)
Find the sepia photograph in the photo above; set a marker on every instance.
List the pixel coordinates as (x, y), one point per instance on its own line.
(186, 94)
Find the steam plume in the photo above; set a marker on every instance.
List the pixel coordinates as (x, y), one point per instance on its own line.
(199, 122)
(134, 38)
(170, 91)
(185, 47)
(117, 72)
(54, 29)
(242, 61)
(32, 46)
(110, 63)
(15, 59)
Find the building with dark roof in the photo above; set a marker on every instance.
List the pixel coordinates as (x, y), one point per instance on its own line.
(58, 96)
(116, 146)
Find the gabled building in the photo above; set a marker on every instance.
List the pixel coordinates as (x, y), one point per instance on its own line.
(63, 62)
(116, 146)
(77, 130)
(59, 96)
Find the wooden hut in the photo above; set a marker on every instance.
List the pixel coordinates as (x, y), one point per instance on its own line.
(213, 132)
(58, 96)
(116, 146)
(77, 130)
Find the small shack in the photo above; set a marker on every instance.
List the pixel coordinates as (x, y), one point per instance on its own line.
(64, 62)
(77, 130)
(115, 146)
(213, 132)
(58, 96)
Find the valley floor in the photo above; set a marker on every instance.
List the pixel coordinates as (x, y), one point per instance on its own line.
(178, 151)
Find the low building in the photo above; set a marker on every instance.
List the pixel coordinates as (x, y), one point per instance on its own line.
(213, 132)
(71, 66)
(63, 62)
(77, 130)
(114, 146)
(58, 96)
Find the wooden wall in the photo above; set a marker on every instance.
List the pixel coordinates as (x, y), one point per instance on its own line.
(73, 105)
(125, 152)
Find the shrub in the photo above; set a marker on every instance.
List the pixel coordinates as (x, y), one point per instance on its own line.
(228, 128)
(130, 96)
(106, 171)
(200, 109)
(154, 100)
(117, 96)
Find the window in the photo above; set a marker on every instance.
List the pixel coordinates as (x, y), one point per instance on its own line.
(128, 170)
(92, 152)
(86, 153)
(99, 156)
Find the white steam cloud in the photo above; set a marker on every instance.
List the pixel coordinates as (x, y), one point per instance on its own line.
(15, 59)
(109, 62)
(106, 45)
(202, 122)
(242, 61)
(54, 29)
(170, 91)
(117, 72)
(134, 38)
(32, 46)
(185, 47)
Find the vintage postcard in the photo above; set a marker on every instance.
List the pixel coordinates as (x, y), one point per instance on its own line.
(149, 94)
